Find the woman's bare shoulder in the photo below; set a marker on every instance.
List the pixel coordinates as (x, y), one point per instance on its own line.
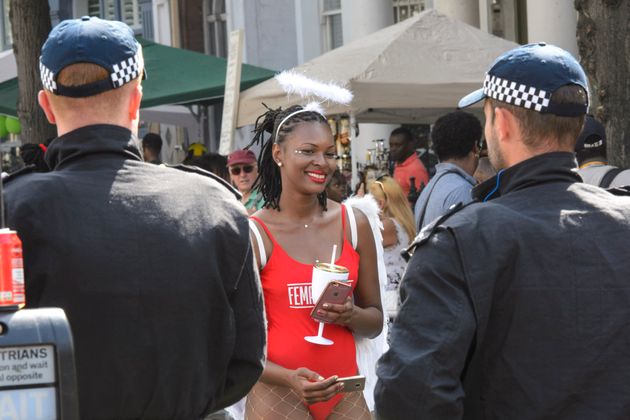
(266, 215)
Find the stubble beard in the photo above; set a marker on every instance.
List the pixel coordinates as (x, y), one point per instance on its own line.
(494, 154)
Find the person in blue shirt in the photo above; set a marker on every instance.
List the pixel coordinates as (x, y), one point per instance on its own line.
(456, 142)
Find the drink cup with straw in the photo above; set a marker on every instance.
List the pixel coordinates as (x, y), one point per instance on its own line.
(322, 275)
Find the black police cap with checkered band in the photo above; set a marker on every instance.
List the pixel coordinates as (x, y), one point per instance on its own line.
(109, 44)
(527, 76)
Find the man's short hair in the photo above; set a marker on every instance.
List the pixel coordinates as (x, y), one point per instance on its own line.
(536, 126)
(404, 133)
(152, 141)
(455, 135)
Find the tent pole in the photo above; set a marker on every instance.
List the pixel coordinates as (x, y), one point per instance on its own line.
(205, 124)
(353, 151)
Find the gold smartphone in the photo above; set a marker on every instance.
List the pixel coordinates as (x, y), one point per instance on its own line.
(336, 292)
(352, 383)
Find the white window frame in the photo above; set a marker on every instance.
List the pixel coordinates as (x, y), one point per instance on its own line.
(211, 26)
(326, 21)
(6, 40)
(399, 4)
(136, 22)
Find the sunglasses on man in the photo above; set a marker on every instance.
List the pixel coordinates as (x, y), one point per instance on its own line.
(236, 170)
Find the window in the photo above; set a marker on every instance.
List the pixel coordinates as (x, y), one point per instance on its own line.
(331, 20)
(509, 19)
(215, 27)
(127, 11)
(404, 9)
(5, 27)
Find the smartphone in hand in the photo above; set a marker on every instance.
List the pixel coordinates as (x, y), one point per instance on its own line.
(336, 292)
(352, 383)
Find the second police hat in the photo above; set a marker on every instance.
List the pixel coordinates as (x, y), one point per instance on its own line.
(527, 76)
(593, 135)
(109, 44)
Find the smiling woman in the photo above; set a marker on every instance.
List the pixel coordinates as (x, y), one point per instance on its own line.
(298, 227)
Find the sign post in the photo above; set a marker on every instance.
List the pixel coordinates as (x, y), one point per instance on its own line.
(232, 90)
(37, 372)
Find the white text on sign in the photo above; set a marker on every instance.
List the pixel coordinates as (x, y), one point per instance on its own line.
(31, 404)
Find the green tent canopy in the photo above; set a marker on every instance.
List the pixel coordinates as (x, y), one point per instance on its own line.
(8, 97)
(174, 76)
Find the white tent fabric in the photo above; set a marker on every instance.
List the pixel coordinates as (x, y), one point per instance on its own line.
(8, 68)
(411, 72)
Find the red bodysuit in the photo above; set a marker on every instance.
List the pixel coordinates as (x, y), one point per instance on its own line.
(286, 286)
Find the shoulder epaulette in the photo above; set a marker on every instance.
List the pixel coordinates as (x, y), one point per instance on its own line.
(23, 171)
(199, 171)
(432, 228)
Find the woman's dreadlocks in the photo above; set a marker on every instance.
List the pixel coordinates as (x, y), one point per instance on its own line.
(268, 182)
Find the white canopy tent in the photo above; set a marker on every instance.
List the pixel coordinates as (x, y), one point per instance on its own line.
(411, 72)
(8, 68)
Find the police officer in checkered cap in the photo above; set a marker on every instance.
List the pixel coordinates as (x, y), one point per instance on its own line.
(151, 264)
(516, 306)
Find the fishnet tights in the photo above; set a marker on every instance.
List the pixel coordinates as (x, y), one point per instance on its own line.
(271, 402)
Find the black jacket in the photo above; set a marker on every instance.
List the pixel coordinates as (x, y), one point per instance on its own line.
(154, 269)
(517, 308)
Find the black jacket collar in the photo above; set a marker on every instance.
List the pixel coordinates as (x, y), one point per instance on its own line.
(548, 167)
(101, 138)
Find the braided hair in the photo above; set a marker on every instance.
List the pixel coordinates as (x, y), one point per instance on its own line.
(268, 181)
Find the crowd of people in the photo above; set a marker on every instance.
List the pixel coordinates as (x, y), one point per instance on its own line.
(502, 292)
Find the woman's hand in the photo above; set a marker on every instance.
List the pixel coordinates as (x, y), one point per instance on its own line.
(312, 387)
(339, 314)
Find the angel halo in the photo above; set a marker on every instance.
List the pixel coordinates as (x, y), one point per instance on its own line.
(294, 83)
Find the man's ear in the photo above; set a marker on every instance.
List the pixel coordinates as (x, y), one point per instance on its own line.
(475, 150)
(44, 103)
(505, 125)
(134, 103)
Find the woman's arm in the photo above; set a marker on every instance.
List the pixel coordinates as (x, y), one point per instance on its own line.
(390, 236)
(309, 385)
(365, 316)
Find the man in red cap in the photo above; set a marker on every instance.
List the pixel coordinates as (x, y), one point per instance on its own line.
(243, 174)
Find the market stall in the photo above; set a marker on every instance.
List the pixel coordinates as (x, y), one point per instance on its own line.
(411, 72)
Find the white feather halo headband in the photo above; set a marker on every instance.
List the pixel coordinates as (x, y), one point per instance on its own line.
(294, 83)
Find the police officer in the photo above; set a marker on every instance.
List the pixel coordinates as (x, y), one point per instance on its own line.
(151, 264)
(517, 306)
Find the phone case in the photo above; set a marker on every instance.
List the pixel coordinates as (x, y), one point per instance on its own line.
(336, 292)
(352, 383)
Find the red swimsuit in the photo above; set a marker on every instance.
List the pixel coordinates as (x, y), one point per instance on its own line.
(286, 286)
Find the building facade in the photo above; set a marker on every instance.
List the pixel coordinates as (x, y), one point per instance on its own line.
(281, 34)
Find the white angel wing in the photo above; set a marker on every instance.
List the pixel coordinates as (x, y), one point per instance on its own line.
(370, 350)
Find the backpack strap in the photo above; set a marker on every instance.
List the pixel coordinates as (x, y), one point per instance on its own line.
(352, 222)
(259, 242)
(609, 177)
(426, 202)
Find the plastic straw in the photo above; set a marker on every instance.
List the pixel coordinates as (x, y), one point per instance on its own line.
(332, 258)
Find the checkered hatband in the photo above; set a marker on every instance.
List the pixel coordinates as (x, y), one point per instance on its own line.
(125, 71)
(48, 79)
(516, 93)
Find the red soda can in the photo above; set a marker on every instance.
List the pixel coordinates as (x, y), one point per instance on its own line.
(11, 271)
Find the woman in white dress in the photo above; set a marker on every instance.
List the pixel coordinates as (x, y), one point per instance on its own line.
(398, 232)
